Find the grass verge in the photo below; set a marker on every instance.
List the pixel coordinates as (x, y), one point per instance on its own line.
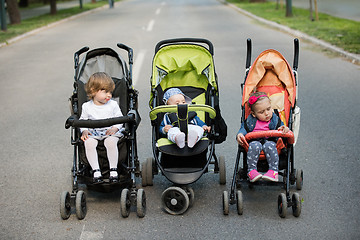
(30, 24)
(339, 32)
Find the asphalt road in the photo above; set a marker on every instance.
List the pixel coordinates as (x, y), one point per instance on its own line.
(36, 154)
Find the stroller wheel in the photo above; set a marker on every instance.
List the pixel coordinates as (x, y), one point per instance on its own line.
(282, 205)
(141, 203)
(149, 171)
(296, 207)
(239, 202)
(225, 198)
(144, 174)
(65, 205)
(125, 203)
(222, 170)
(175, 200)
(191, 195)
(299, 179)
(80, 204)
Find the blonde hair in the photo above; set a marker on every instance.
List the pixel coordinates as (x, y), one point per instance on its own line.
(99, 81)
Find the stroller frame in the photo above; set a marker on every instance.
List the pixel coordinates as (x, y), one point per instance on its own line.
(130, 195)
(290, 175)
(178, 198)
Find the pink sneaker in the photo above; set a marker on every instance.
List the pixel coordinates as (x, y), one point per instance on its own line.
(254, 175)
(271, 175)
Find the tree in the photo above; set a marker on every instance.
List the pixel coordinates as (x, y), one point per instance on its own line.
(52, 7)
(13, 11)
(289, 8)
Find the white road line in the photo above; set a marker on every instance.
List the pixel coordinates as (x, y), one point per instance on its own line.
(158, 11)
(137, 66)
(150, 25)
(87, 235)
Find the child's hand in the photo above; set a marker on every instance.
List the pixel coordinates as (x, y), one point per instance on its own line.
(85, 135)
(167, 128)
(111, 131)
(284, 129)
(240, 138)
(206, 128)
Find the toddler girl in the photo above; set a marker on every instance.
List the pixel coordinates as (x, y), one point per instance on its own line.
(262, 118)
(196, 127)
(99, 90)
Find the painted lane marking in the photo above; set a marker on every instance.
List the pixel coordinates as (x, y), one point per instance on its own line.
(150, 25)
(137, 65)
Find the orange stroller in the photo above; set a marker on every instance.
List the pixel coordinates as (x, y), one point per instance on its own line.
(271, 73)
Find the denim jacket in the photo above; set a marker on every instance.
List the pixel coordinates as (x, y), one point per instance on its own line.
(251, 123)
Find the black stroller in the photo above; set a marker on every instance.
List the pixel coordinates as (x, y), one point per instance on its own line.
(272, 74)
(109, 61)
(187, 64)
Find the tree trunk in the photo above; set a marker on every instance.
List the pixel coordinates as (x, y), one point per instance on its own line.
(311, 11)
(289, 8)
(23, 3)
(52, 7)
(13, 10)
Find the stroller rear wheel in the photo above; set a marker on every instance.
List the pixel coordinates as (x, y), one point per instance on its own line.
(80, 203)
(225, 198)
(222, 170)
(149, 171)
(299, 179)
(191, 195)
(175, 200)
(65, 205)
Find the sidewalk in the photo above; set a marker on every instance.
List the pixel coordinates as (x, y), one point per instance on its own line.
(26, 13)
(355, 58)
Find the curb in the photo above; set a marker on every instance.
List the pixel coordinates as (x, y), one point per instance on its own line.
(354, 58)
(27, 34)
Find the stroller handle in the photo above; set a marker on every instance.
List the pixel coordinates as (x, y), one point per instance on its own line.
(271, 133)
(185, 40)
(171, 108)
(72, 121)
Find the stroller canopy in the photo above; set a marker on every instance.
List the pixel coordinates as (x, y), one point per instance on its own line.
(183, 65)
(271, 73)
(270, 69)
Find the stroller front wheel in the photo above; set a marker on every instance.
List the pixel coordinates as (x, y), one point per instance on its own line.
(175, 200)
(65, 205)
(80, 203)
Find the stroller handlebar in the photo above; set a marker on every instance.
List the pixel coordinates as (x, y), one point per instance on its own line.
(185, 40)
(73, 121)
(271, 133)
(171, 108)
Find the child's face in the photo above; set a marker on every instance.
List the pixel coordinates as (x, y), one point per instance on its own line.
(101, 97)
(262, 110)
(176, 99)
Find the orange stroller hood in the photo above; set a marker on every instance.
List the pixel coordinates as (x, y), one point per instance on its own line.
(271, 73)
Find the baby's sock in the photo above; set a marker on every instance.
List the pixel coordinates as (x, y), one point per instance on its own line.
(180, 140)
(192, 138)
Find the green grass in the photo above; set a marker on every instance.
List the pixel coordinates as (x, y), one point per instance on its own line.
(340, 32)
(27, 25)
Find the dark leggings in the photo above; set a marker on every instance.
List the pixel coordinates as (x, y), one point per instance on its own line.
(270, 151)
